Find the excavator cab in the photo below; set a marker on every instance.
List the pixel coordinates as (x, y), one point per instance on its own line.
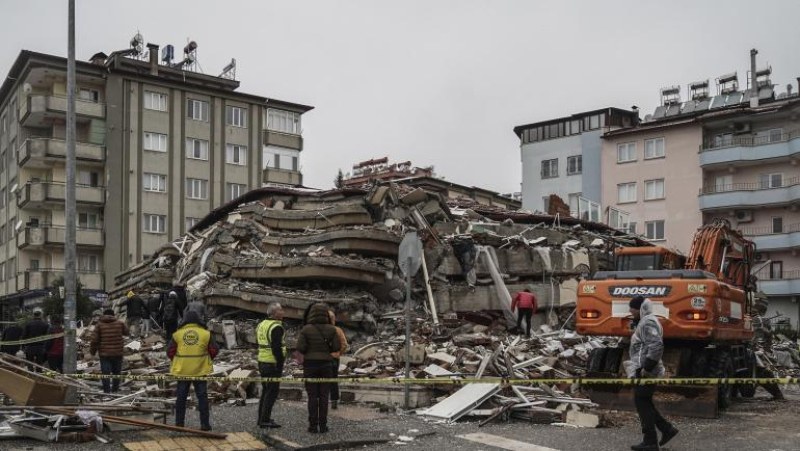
(647, 258)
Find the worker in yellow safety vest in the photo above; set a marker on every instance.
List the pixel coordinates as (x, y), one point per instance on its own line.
(191, 349)
(271, 356)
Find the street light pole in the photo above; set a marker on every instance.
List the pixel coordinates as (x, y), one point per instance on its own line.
(70, 282)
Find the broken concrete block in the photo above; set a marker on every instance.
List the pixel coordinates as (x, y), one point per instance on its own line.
(582, 419)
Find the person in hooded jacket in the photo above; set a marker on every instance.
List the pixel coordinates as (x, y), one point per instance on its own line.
(55, 346)
(11, 333)
(646, 349)
(108, 342)
(317, 340)
(35, 328)
(170, 314)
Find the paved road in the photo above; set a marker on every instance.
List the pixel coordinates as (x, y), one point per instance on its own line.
(754, 425)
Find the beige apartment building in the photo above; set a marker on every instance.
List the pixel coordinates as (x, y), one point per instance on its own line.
(159, 146)
(733, 155)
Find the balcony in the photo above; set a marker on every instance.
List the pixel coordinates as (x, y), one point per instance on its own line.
(37, 194)
(749, 149)
(40, 279)
(56, 236)
(288, 140)
(39, 109)
(42, 152)
(767, 239)
(282, 176)
(750, 194)
(785, 284)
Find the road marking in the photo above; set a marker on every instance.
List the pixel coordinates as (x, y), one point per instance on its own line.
(502, 442)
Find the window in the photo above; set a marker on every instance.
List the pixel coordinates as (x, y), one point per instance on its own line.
(588, 210)
(155, 101)
(777, 224)
(155, 223)
(283, 121)
(776, 270)
(197, 189)
(11, 268)
(775, 135)
(550, 168)
(3, 160)
(618, 219)
(154, 182)
(12, 227)
(2, 234)
(236, 154)
(2, 271)
(626, 152)
(771, 181)
(196, 149)
(88, 220)
(631, 227)
(654, 148)
(155, 141)
(236, 116)
(574, 127)
(546, 203)
(723, 183)
(87, 263)
(654, 230)
(88, 178)
(574, 165)
(197, 110)
(653, 189)
(626, 192)
(235, 190)
(574, 201)
(3, 124)
(89, 95)
(277, 160)
(191, 222)
(294, 163)
(3, 198)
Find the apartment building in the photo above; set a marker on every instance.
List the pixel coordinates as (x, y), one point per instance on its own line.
(562, 156)
(159, 146)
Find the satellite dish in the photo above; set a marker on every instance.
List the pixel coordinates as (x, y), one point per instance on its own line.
(137, 42)
(190, 47)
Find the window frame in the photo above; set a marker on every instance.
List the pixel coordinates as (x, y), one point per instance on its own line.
(772, 223)
(663, 189)
(549, 168)
(241, 188)
(655, 223)
(769, 179)
(147, 182)
(150, 95)
(193, 185)
(633, 190)
(160, 222)
(190, 149)
(148, 138)
(236, 149)
(654, 142)
(191, 109)
(293, 121)
(628, 145)
(579, 169)
(231, 116)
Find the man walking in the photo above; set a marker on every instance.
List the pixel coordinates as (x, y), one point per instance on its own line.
(271, 356)
(55, 346)
(35, 328)
(525, 301)
(11, 333)
(317, 340)
(169, 314)
(136, 311)
(647, 346)
(191, 350)
(107, 341)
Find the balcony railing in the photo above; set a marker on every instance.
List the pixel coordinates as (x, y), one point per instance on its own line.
(41, 148)
(40, 192)
(770, 230)
(45, 235)
(748, 141)
(766, 274)
(749, 186)
(41, 278)
(40, 104)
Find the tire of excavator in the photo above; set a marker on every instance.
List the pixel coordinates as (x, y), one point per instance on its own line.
(721, 366)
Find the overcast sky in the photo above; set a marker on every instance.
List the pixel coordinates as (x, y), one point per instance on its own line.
(440, 83)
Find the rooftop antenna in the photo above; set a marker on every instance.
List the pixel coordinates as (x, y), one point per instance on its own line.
(229, 71)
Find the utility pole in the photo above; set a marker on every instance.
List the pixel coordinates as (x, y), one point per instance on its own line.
(70, 277)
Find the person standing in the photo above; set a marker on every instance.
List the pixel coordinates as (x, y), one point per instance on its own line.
(271, 357)
(35, 328)
(55, 346)
(191, 350)
(317, 340)
(646, 349)
(108, 343)
(525, 304)
(169, 314)
(136, 311)
(11, 333)
(335, 364)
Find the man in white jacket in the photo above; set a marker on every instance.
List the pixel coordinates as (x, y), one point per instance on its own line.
(647, 347)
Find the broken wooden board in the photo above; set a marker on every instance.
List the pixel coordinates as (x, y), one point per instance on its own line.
(236, 440)
(469, 397)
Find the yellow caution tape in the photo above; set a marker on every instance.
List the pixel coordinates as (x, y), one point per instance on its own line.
(401, 380)
(28, 341)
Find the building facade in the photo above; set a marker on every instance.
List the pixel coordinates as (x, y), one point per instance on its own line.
(157, 148)
(562, 156)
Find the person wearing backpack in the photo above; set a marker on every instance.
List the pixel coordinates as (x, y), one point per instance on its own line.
(317, 340)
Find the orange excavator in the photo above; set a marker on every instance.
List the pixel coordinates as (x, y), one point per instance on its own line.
(704, 302)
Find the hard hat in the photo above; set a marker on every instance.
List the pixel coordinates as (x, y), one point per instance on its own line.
(173, 294)
(130, 294)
